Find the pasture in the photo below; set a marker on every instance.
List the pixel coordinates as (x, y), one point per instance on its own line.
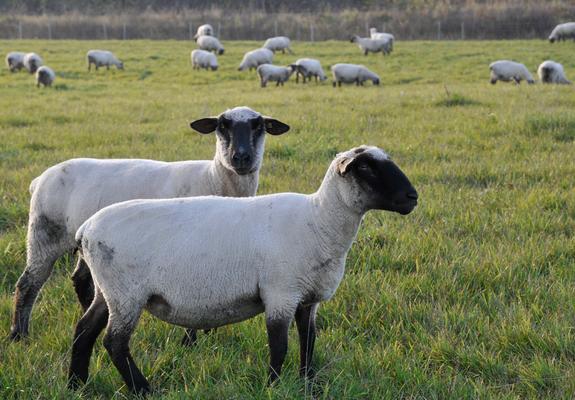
(470, 296)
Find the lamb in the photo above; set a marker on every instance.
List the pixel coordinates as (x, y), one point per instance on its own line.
(308, 68)
(45, 76)
(15, 61)
(507, 71)
(388, 37)
(101, 58)
(368, 45)
(552, 72)
(204, 30)
(352, 73)
(210, 43)
(32, 62)
(204, 59)
(278, 43)
(274, 73)
(563, 32)
(67, 194)
(255, 58)
(211, 261)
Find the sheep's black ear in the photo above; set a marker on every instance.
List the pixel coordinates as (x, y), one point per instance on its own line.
(275, 127)
(205, 125)
(344, 165)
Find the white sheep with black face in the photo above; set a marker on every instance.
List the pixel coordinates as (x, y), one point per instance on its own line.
(204, 30)
(274, 73)
(253, 59)
(67, 194)
(368, 45)
(210, 43)
(388, 37)
(278, 43)
(509, 71)
(102, 58)
(352, 73)
(204, 59)
(15, 61)
(210, 261)
(552, 72)
(32, 62)
(563, 32)
(45, 76)
(308, 68)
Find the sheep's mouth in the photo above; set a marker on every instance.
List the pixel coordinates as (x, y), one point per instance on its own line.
(406, 207)
(243, 170)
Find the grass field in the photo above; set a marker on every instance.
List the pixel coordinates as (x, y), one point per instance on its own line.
(470, 296)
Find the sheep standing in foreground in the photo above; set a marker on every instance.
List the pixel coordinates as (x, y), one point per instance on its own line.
(552, 72)
(67, 194)
(211, 261)
(32, 62)
(102, 58)
(308, 68)
(15, 61)
(255, 58)
(352, 73)
(509, 71)
(368, 45)
(563, 32)
(278, 43)
(210, 43)
(204, 30)
(204, 59)
(388, 37)
(274, 73)
(45, 76)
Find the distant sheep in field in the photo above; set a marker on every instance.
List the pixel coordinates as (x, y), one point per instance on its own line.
(509, 71)
(274, 73)
(204, 30)
(15, 61)
(388, 37)
(204, 59)
(278, 43)
(45, 76)
(210, 43)
(563, 32)
(102, 58)
(552, 72)
(368, 45)
(308, 68)
(352, 73)
(32, 62)
(255, 58)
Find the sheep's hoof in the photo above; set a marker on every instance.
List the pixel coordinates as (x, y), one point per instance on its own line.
(17, 336)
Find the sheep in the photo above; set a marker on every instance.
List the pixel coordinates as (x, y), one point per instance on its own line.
(210, 43)
(274, 73)
(32, 62)
(563, 32)
(388, 37)
(255, 58)
(204, 30)
(278, 43)
(368, 45)
(507, 71)
(552, 72)
(67, 194)
(204, 59)
(101, 58)
(45, 76)
(308, 68)
(206, 262)
(15, 61)
(352, 73)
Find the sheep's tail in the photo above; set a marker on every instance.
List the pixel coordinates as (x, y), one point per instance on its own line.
(33, 185)
(80, 234)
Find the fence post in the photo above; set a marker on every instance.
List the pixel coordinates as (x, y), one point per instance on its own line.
(219, 29)
(275, 27)
(105, 29)
(124, 31)
(311, 33)
(20, 30)
(367, 27)
(438, 30)
(190, 31)
(462, 30)
(49, 30)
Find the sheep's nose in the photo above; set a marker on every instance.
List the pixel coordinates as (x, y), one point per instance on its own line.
(412, 195)
(241, 158)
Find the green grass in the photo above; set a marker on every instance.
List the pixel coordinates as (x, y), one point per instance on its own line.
(470, 296)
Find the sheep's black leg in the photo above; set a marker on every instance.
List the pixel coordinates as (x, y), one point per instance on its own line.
(305, 321)
(87, 331)
(83, 283)
(278, 343)
(190, 337)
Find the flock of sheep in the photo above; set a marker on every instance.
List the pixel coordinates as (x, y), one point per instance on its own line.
(190, 242)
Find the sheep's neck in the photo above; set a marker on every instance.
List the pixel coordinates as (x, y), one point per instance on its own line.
(224, 182)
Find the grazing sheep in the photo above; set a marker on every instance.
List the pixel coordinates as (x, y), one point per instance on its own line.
(44, 76)
(563, 32)
(204, 30)
(274, 73)
(32, 62)
(352, 73)
(255, 58)
(211, 261)
(210, 43)
(101, 58)
(507, 71)
(67, 194)
(278, 43)
(388, 37)
(204, 59)
(308, 68)
(15, 61)
(368, 45)
(552, 72)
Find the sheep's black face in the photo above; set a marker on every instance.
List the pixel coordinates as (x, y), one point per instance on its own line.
(385, 185)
